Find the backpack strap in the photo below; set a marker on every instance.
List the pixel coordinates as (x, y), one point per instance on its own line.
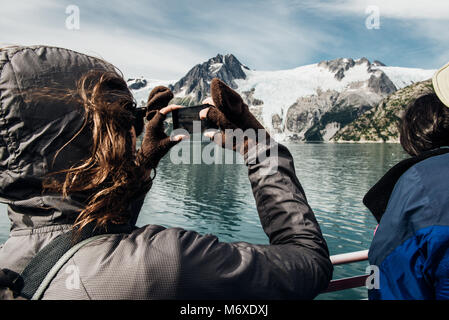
(45, 265)
(39, 292)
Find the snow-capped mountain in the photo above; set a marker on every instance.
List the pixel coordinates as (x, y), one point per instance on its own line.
(311, 102)
(195, 85)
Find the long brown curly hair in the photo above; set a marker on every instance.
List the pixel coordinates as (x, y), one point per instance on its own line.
(111, 175)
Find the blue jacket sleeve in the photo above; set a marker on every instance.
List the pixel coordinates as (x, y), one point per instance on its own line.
(441, 274)
(418, 269)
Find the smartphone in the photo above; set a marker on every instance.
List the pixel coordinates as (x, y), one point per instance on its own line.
(184, 118)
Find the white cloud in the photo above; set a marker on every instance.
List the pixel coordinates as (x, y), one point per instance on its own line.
(262, 37)
(149, 55)
(426, 20)
(397, 9)
(163, 40)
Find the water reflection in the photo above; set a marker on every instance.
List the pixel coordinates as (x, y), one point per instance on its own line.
(217, 198)
(207, 198)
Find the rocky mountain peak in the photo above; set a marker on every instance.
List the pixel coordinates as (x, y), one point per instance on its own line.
(195, 85)
(377, 63)
(363, 60)
(340, 65)
(136, 84)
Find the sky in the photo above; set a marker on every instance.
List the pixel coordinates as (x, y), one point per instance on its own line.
(165, 39)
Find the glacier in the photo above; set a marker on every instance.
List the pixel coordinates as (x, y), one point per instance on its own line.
(278, 91)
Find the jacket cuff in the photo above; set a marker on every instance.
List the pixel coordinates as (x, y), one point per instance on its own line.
(260, 152)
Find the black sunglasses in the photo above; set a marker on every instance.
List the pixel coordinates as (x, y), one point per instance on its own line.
(139, 114)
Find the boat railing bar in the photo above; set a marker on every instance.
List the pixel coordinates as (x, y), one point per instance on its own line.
(349, 257)
(351, 282)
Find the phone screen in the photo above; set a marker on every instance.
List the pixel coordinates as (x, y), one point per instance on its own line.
(188, 118)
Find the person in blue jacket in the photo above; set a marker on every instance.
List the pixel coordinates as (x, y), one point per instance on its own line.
(411, 203)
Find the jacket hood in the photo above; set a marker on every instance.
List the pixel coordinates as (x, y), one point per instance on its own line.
(31, 133)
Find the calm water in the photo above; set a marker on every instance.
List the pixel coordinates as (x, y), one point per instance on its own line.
(217, 199)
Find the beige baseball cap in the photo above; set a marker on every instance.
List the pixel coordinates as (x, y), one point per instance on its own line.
(440, 82)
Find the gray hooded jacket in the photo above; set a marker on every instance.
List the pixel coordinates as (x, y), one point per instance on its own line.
(151, 262)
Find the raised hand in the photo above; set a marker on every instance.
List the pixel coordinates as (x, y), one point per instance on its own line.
(156, 143)
(229, 112)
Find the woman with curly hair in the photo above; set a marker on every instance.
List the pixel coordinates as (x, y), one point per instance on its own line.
(70, 171)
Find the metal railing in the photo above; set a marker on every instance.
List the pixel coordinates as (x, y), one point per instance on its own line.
(351, 282)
